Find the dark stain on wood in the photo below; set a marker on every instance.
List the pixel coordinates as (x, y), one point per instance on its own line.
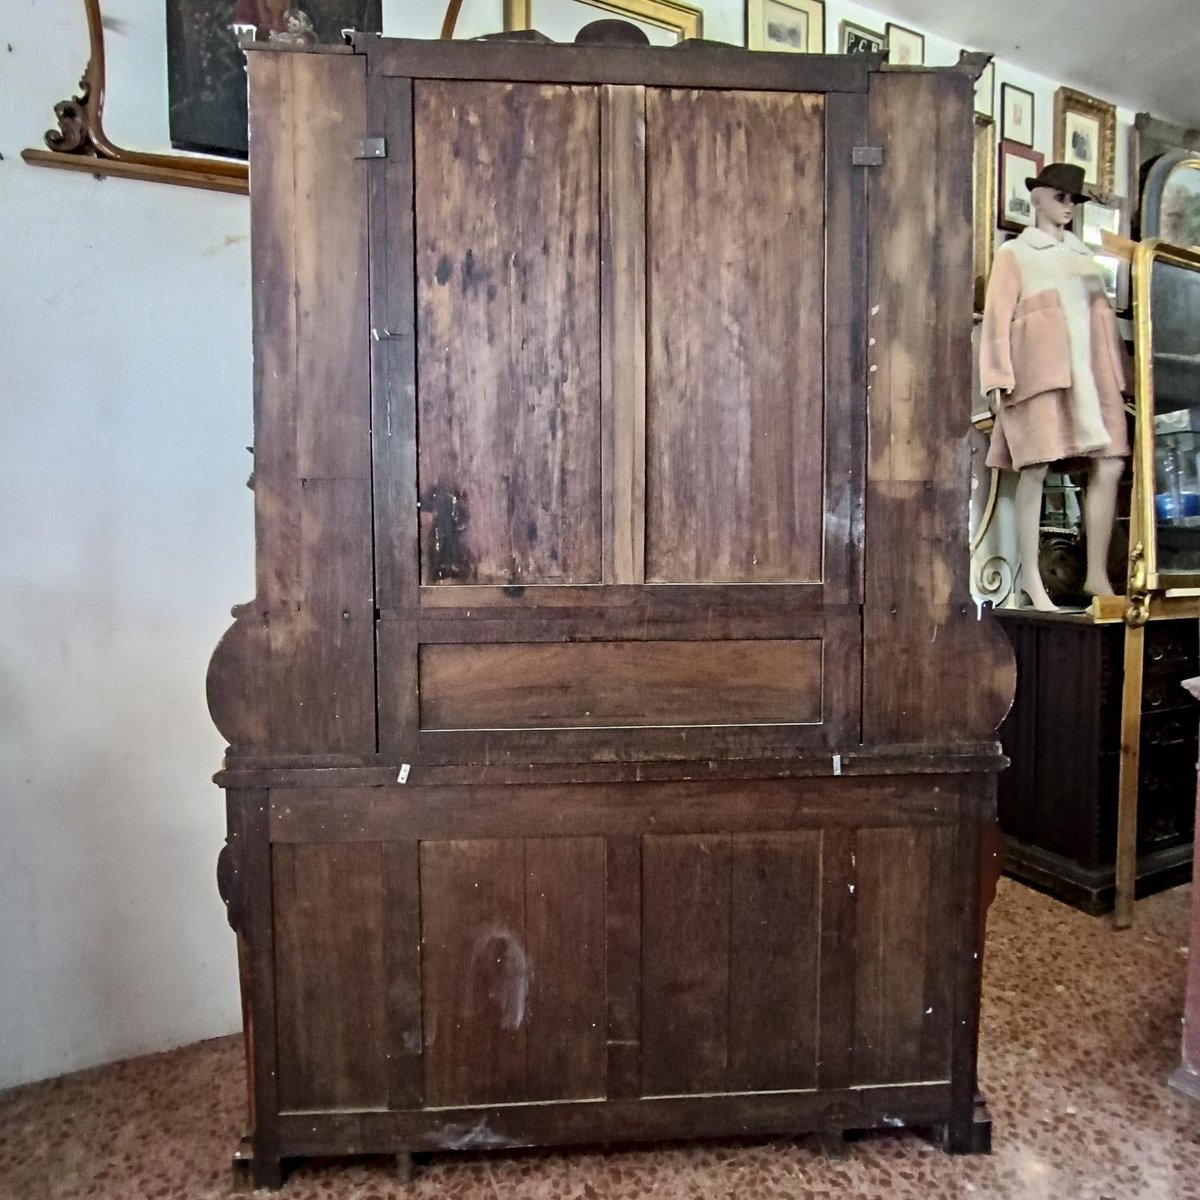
(444, 514)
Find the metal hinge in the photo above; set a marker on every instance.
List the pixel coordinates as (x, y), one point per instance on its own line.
(370, 148)
(866, 156)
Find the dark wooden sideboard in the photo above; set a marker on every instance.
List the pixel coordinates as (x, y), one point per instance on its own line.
(1058, 800)
(612, 734)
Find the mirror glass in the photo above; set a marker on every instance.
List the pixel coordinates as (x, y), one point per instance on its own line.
(1179, 212)
(1175, 360)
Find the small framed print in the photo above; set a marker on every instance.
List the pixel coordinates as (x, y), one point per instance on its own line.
(1092, 219)
(985, 91)
(905, 47)
(856, 39)
(1017, 163)
(1016, 114)
(984, 217)
(1085, 135)
(790, 26)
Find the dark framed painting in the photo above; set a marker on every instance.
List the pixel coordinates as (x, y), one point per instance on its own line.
(206, 67)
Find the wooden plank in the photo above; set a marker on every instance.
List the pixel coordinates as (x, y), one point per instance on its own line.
(393, 406)
(592, 684)
(476, 971)
(845, 347)
(307, 641)
(774, 957)
(706, 600)
(652, 1119)
(685, 963)
(402, 972)
(1127, 796)
(734, 411)
(623, 330)
(623, 941)
(565, 936)
(839, 948)
(947, 882)
(891, 897)
(720, 67)
(508, 294)
(331, 1015)
(414, 812)
(917, 604)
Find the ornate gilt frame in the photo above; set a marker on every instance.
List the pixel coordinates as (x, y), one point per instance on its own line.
(1144, 257)
(80, 142)
(683, 19)
(1067, 100)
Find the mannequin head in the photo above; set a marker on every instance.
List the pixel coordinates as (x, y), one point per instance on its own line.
(1053, 209)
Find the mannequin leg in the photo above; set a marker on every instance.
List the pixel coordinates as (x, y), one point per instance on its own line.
(1099, 512)
(1029, 519)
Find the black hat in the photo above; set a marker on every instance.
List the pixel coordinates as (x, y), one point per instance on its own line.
(1062, 177)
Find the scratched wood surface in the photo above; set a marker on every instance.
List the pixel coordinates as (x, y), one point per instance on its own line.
(959, 677)
(296, 671)
(507, 266)
(514, 960)
(734, 411)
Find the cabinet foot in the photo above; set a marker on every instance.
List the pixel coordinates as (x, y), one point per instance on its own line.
(405, 1170)
(972, 1136)
(252, 1171)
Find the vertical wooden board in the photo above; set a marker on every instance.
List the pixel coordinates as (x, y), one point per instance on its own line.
(475, 971)
(333, 397)
(839, 948)
(918, 604)
(623, 330)
(735, 260)
(892, 900)
(845, 345)
(564, 914)
(508, 297)
(685, 963)
(623, 950)
(331, 1016)
(272, 264)
(942, 934)
(774, 961)
(402, 969)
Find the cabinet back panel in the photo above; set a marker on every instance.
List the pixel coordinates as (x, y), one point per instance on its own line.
(508, 342)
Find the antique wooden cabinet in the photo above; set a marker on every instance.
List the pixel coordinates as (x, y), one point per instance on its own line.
(612, 735)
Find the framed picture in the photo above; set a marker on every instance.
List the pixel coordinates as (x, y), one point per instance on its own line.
(792, 26)
(1092, 219)
(1085, 134)
(905, 47)
(983, 223)
(985, 91)
(855, 39)
(1016, 114)
(1017, 162)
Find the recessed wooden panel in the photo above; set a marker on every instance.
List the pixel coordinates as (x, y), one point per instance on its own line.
(508, 332)
(774, 960)
(903, 984)
(685, 963)
(513, 964)
(735, 410)
(529, 685)
(331, 1010)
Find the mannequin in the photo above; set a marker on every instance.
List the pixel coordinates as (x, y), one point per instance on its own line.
(1052, 367)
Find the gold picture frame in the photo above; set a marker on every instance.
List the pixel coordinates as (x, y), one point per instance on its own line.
(1085, 135)
(983, 223)
(683, 20)
(801, 33)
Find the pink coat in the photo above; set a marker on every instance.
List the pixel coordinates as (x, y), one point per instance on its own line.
(1047, 413)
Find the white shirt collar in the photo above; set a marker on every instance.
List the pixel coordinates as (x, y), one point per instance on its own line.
(1035, 239)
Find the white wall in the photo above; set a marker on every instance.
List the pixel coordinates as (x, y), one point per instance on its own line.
(125, 535)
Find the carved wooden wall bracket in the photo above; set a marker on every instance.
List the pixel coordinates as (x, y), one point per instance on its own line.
(81, 144)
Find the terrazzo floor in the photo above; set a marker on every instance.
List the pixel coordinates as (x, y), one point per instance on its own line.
(1080, 1032)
